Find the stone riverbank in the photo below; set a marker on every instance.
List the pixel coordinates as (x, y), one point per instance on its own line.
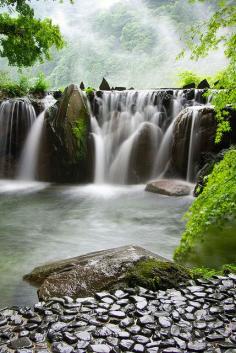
(199, 316)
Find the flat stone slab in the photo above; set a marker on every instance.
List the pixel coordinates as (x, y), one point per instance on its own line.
(87, 274)
(170, 187)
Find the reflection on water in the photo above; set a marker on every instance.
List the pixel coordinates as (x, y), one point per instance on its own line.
(41, 222)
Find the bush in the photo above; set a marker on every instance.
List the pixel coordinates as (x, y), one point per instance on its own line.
(13, 88)
(210, 235)
(22, 86)
(40, 85)
(187, 77)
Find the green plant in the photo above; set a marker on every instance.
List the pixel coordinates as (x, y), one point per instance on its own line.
(204, 272)
(209, 237)
(25, 39)
(40, 85)
(89, 91)
(187, 77)
(80, 133)
(207, 36)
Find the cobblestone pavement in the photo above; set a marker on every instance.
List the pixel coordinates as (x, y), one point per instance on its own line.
(197, 317)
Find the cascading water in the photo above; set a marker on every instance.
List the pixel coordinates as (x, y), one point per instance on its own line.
(193, 142)
(29, 157)
(16, 118)
(137, 126)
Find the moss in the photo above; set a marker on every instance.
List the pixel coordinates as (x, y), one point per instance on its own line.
(209, 238)
(154, 274)
(203, 272)
(80, 131)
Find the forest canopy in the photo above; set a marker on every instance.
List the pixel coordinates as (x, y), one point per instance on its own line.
(131, 43)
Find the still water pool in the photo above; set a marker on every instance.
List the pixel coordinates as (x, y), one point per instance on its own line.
(44, 222)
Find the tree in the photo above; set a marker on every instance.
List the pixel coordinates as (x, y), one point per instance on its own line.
(25, 39)
(209, 35)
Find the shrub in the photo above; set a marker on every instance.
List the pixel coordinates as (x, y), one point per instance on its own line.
(209, 238)
(40, 85)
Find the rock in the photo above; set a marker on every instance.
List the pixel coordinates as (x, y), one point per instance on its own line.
(22, 342)
(169, 187)
(190, 85)
(61, 347)
(181, 137)
(143, 153)
(120, 88)
(65, 153)
(203, 84)
(100, 348)
(104, 86)
(82, 86)
(206, 139)
(87, 274)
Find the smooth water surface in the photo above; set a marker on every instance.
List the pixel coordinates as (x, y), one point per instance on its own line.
(41, 222)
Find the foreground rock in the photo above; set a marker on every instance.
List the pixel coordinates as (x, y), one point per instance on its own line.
(169, 187)
(86, 274)
(198, 317)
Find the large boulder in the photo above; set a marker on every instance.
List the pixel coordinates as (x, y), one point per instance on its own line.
(143, 153)
(206, 131)
(65, 154)
(85, 275)
(169, 187)
(181, 139)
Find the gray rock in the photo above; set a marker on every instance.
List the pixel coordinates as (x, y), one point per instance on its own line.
(87, 274)
(169, 187)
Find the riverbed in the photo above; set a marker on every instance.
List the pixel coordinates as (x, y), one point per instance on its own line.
(41, 222)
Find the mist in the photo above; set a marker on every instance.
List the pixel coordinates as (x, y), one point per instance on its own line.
(129, 42)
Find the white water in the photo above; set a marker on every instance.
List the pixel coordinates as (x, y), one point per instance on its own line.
(16, 118)
(193, 143)
(29, 158)
(123, 118)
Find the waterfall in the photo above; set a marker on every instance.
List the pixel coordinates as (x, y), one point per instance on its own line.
(193, 143)
(135, 128)
(16, 118)
(29, 157)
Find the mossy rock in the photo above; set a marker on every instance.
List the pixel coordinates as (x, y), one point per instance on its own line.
(154, 274)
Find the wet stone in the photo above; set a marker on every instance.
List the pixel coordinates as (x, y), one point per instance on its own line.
(61, 347)
(100, 348)
(197, 346)
(117, 314)
(138, 348)
(164, 322)
(22, 342)
(126, 344)
(172, 350)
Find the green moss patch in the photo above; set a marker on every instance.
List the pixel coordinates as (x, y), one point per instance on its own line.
(154, 274)
(80, 132)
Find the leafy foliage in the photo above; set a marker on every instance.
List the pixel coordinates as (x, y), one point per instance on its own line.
(212, 218)
(80, 132)
(40, 85)
(204, 272)
(209, 35)
(187, 77)
(25, 39)
(22, 86)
